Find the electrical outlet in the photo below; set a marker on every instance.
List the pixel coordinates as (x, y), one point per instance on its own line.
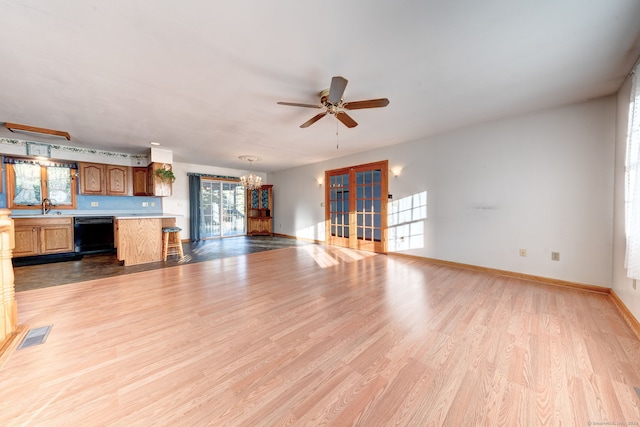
(523, 252)
(94, 204)
(555, 256)
(154, 203)
(145, 204)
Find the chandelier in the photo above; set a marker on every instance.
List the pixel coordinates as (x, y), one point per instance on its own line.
(251, 181)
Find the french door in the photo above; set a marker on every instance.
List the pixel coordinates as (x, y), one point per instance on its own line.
(356, 206)
(223, 208)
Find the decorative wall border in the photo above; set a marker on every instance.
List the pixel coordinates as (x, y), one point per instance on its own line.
(78, 150)
(217, 177)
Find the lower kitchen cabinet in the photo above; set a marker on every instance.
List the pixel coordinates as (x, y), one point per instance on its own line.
(42, 236)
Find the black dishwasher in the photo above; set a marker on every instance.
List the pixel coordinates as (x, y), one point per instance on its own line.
(93, 234)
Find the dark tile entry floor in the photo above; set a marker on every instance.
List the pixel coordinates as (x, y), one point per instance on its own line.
(106, 265)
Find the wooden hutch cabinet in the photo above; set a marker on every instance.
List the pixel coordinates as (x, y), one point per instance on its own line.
(260, 211)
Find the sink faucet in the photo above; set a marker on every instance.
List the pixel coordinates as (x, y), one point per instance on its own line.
(46, 205)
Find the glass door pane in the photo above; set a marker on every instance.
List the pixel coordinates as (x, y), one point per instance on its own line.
(210, 208)
(339, 203)
(233, 204)
(369, 205)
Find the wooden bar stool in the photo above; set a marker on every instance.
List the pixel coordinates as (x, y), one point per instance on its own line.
(171, 243)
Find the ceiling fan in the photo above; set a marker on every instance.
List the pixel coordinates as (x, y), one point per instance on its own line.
(332, 102)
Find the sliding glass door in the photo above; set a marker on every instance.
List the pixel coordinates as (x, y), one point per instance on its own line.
(223, 209)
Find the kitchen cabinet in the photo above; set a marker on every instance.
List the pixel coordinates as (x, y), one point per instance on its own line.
(92, 178)
(117, 180)
(42, 236)
(104, 180)
(260, 211)
(140, 181)
(156, 186)
(139, 239)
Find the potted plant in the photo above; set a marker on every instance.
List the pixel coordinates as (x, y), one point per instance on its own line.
(165, 174)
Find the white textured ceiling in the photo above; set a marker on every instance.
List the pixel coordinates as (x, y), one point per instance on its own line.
(203, 77)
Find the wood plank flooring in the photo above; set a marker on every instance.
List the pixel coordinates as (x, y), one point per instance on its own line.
(321, 336)
(101, 265)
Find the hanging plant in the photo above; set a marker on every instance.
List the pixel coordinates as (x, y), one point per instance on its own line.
(165, 174)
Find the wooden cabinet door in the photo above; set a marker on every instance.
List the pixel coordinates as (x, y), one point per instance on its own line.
(92, 178)
(140, 184)
(117, 180)
(41, 236)
(156, 186)
(56, 238)
(259, 226)
(26, 241)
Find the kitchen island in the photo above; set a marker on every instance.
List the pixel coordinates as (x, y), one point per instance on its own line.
(138, 238)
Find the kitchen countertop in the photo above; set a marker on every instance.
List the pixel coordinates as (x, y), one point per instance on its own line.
(116, 215)
(138, 216)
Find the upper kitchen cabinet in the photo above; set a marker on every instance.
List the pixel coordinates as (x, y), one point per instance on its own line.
(109, 180)
(117, 180)
(160, 183)
(140, 181)
(92, 178)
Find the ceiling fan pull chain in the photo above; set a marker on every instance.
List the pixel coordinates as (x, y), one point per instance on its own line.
(337, 143)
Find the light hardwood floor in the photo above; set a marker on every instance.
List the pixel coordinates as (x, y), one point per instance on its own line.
(315, 335)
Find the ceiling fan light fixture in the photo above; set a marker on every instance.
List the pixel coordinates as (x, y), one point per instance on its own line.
(332, 101)
(250, 181)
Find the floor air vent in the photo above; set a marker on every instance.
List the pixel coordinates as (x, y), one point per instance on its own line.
(35, 336)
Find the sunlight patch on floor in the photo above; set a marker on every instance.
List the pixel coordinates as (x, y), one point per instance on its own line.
(328, 256)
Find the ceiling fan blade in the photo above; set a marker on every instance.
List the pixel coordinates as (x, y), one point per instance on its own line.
(338, 85)
(346, 119)
(313, 119)
(370, 103)
(296, 104)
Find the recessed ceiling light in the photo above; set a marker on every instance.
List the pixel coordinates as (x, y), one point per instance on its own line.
(154, 143)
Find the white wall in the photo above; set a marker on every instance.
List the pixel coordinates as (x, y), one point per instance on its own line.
(542, 182)
(622, 286)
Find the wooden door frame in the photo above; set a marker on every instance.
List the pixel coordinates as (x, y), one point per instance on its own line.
(354, 243)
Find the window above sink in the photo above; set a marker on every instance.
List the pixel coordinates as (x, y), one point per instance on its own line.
(31, 182)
